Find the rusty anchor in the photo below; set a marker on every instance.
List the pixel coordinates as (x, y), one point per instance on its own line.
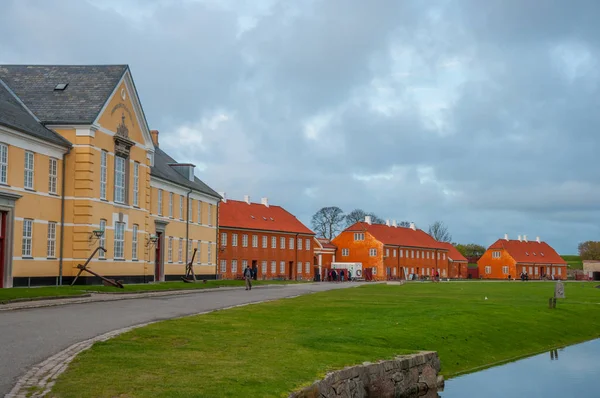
(86, 269)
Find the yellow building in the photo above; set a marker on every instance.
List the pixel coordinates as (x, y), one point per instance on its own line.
(77, 157)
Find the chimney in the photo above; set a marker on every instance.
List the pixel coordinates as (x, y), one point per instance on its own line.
(265, 201)
(394, 224)
(387, 222)
(224, 196)
(519, 238)
(412, 226)
(368, 219)
(524, 238)
(247, 199)
(506, 237)
(154, 134)
(537, 239)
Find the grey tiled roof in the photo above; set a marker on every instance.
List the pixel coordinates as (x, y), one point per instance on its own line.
(89, 87)
(15, 116)
(161, 169)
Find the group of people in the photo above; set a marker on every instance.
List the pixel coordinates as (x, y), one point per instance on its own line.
(341, 276)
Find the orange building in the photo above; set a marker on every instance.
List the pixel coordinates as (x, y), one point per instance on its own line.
(457, 263)
(392, 252)
(506, 259)
(325, 252)
(272, 241)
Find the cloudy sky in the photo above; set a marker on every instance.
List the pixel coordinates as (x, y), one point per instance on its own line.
(482, 114)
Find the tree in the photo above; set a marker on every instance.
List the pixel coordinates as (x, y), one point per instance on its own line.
(357, 215)
(470, 250)
(589, 250)
(404, 224)
(439, 232)
(328, 222)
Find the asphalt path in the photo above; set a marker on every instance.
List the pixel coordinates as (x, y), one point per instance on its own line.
(29, 336)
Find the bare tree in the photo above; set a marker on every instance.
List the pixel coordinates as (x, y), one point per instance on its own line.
(404, 224)
(439, 232)
(328, 222)
(358, 215)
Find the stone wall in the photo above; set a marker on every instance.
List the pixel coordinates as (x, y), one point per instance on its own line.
(405, 376)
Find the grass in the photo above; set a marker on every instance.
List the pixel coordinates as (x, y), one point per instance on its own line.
(270, 349)
(573, 261)
(21, 293)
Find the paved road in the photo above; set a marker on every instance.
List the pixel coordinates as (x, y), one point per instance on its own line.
(29, 336)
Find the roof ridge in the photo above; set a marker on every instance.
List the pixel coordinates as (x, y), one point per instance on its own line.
(16, 97)
(114, 90)
(68, 65)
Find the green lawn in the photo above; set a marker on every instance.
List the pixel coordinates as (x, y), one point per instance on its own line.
(18, 293)
(573, 261)
(273, 348)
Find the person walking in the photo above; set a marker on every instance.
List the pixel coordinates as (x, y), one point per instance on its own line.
(248, 277)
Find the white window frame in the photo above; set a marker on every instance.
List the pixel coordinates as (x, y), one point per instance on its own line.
(210, 223)
(263, 267)
(52, 175)
(443, 256)
(120, 179)
(190, 249)
(51, 249)
(3, 163)
(27, 243)
(387, 252)
(171, 204)
(223, 266)
(291, 244)
(181, 207)
(307, 244)
(190, 208)
(299, 267)
(505, 269)
(119, 241)
(427, 255)
(273, 267)
(345, 252)
(264, 242)
(400, 252)
(395, 254)
(488, 269)
(273, 242)
(244, 240)
(282, 242)
(199, 252)
(359, 236)
(496, 254)
(136, 183)
(234, 240)
(254, 240)
(134, 242)
(170, 250)
(199, 211)
(180, 251)
(281, 267)
(223, 239)
(418, 253)
(372, 252)
(234, 266)
(103, 173)
(102, 239)
(28, 181)
(244, 265)
(160, 199)
(307, 268)
(209, 253)
(299, 244)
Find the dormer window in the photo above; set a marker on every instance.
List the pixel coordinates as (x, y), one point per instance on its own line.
(527, 253)
(61, 86)
(534, 253)
(542, 254)
(185, 169)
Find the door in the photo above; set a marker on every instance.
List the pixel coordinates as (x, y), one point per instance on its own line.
(291, 270)
(254, 269)
(158, 258)
(3, 244)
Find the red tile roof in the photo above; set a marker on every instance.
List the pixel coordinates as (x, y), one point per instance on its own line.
(326, 243)
(453, 253)
(529, 252)
(239, 214)
(398, 236)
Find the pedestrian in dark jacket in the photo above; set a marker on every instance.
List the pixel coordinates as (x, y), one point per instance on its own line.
(248, 278)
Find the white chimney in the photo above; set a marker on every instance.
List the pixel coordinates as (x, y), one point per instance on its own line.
(412, 226)
(265, 201)
(519, 238)
(368, 219)
(387, 222)
(224, 196)
(247, 199)
(506, 237)
(537, 239)
(394, 224)
(524, 238)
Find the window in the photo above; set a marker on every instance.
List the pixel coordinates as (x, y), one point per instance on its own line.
(159, 210)
(427, 255)
(244, 264)
(307, 246)
(273, 267)
(190, 247)
(345, 252)
(181, 207)
(103, 174)
(505, 270)
(199, 252)
(223, 239)
(136, 183)
(291, 243)
(374, 270)
(27, 237)
(438, 255)
(359, 236)
(244, 240)
(209, 214)
(394, 254)
(28, 170)
(171, 204)
(559, 270)
(400, 252)
(3, 164)
(372, 252)
(102, 240)
(190, 207)
(299, 243)
(273, 242)
(536, 270)
(488, 269)
(180, 251)
(170, 250)
(209, 253)
(233, 266)
(418, 253)
(199, 210)
(443, 256)
(119, 240)
(234, 239)
(282, 243)
(299, 267)
(263, 268)
(264, 242)
(254, 240)
(134, 242)
(281, 267)
(307, 267)
(52, 175)
(387, 252)
(223, 266)
(412, 254)
(422, 254)
(495, 254)
(51, 252)
(119, 179)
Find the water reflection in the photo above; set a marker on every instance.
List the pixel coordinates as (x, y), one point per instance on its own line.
(575, 375)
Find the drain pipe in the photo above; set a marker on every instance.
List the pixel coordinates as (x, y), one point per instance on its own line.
(187, 228)
(218, 244)
(62, 218)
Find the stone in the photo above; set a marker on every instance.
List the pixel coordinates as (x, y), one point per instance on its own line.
(559, 290)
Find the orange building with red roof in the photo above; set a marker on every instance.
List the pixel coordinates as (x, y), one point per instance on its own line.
(457, 263)
(272, 241)
(325, 253)
(509, 257)
(392, 252)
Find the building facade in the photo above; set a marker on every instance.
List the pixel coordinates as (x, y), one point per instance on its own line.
(274, 243)
(391, 252)
(78, 169)
(508, 258)
(325, 252)
(457, 263)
